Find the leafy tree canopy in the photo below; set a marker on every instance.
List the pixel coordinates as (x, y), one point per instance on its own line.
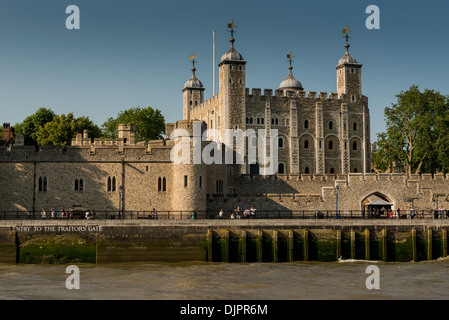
(150, 123)
(417, 133)
(31, 124)
(62, 129)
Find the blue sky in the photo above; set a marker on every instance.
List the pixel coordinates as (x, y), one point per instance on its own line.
(136, 52)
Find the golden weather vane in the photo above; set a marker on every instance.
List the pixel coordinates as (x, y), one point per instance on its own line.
(232, 26)
(192, 58)
(290, 57)
(346, 33)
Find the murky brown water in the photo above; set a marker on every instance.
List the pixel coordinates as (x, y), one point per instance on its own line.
(206, 281)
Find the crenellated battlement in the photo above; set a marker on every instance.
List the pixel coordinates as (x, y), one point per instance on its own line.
(256, 94)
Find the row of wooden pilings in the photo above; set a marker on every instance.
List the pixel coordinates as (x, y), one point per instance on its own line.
(287, 245)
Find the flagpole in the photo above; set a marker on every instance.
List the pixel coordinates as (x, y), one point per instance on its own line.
(213, 58)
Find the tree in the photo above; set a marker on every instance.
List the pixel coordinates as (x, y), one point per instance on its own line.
(31, 125)
(417, 133)
(150, 123)
(62, 129)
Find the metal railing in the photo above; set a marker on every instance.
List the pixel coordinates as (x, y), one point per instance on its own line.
(260, 214)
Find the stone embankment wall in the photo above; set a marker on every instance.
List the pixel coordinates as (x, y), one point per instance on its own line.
(221, 241)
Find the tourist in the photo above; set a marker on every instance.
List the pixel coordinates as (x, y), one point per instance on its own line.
(252, 212)
(441, 212)
(412, 213)
(43, 214)
(194, 216)
(220, 214)
(237, 212)
(435, 214)
(246, 213)
(52, 213)
(232, 216)
(87, 215)
(152, 214)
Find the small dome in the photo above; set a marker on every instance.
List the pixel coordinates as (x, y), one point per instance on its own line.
(231, 55)
(193, 82)
(347, 58)
(291, 82)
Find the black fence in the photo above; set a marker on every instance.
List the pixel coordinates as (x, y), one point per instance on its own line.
(186, 215)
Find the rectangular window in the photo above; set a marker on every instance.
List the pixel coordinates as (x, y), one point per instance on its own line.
(201, 181)
(185, 181)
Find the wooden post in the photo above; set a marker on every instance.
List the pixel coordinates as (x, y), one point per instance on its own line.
(429, 244)
(384, 244)
(414, 248)
(306, 245)
(367, 244)
(353, 244)
(338, 244)
(243, 246)
(275, 246)
(290, 245)
(225, 246)
(209, 245)
(444, 243)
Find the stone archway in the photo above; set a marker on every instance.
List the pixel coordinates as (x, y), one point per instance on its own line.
(376, 205)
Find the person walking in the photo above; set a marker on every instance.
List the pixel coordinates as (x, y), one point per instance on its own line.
(43, 214)
(220, 214)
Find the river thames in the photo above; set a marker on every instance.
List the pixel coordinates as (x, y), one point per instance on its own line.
(340, 280)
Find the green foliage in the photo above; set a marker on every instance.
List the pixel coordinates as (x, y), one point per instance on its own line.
(150, 123)
(417, 134)
(62, 129)
(31, 124)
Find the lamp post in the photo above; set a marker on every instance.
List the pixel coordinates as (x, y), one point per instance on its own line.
(336, 202)
(120, 202)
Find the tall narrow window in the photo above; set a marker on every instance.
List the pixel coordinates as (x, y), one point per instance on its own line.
(113, 184)
(306, 144)
(81, 185)
(330, 145)
(306, 124)
(76, 185)
(109, 184)
(332, 170)
(40, 184)
(164, 184)
(331, 124)
(306, 170)
(281, 168)
(45, 184)
(185, 181)
(281, 142)
(354, 145)
(159, 184)
(201, 181)
(354, 126)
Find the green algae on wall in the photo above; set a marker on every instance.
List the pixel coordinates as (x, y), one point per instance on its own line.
(57, 249)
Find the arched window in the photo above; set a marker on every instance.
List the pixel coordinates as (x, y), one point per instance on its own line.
(45, 184)
(306, 170)
(355, 170)
(40, 184)
(281, 142)
(159, 184)
(331, 125)
(332, 170)
(164, 184)
(81, 185)
(109, 184)
(281, 168)
(76, 185)
(306, 144)
(330, 145)
(354, 126)
(306, 124)
(113, 184)
(354, 145)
